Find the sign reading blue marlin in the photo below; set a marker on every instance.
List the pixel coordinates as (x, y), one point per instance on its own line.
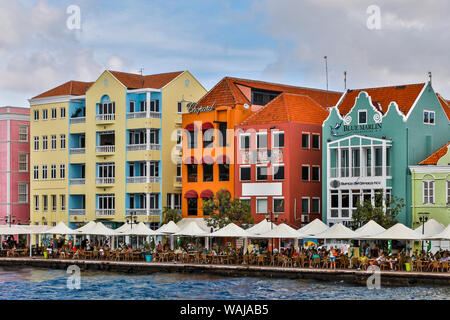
(193, 107)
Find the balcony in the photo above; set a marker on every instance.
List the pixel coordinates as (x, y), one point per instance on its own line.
(143, 114)
(177, 182)
(144, 212)
(77, 150)
(143, 180)
(140, 147)
(77, 181)
(105, 180)
(105, 117)
(105, 149)
(105, 212)
(77, 212)
(77, 120)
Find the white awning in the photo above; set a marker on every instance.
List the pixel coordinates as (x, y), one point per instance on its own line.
(260, 228)
(231, 230)
(88, 226)
(201, 222)
(60, 228)
(444, 235)
(192, 229)
(100, 230)
(140, 230)
(314, 227)
(17, 229)
(369, 229)
(397, 232)
(432, 228)
(282, 231)
(123, 228)
(337, 231)
(168, 228)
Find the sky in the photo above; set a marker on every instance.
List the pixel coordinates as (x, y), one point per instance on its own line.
(377, 43)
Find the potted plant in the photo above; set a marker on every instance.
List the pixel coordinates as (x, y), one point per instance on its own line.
(147, 252)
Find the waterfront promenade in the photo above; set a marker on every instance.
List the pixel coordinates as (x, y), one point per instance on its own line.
(387, 278)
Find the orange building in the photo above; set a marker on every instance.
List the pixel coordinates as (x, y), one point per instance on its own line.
(208, 151)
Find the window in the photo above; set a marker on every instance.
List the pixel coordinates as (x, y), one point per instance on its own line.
(23, 133)
(305, 140)
(208, 138)
(36, 115)
(53, 171)
(278, 139)
(261, 140)
(45, 202)
(44, 143)
(44, 114)
(36, 203)
(278, 172)
(223, 134)
(428, 117)
(62, 113)
(154, 168)
(23, 162)
(106, 201)
(36, 143)
(178, 170)
(53, 142)
(192, 139)
(315, 205)
(278, 205)
(208, 172)
(132, 106)
(261, 205)
(192, 206)
(428, 192)
(53, 202)
(23, 192)
(245, 141)
(316, 141)
(143, 105)
(63, 202)
(44, 171)
(224, 172)
(245, 173)
(62, 171)
(305, 173)
(261, 173)
(62, 141)
(154, 106)
(179, 107)
(192, 172)
(305, 205)
(262, 97)
(36, 172)
(107, 108)
(53, 113)
(315, 174)
(362, 117)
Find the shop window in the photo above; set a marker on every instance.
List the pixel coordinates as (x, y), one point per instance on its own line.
(278, 172)
(192, 206)
(261, 173)
(245, 173)
(208, 170)
(278, 205)
(192, 172)
(224, 172)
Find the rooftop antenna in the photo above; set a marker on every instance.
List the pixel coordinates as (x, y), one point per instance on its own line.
(326, 74)
(345, 80)
(142, 75)
(430, 75)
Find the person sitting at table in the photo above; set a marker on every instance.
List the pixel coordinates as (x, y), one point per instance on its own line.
(445, 257)
(333, 255)
(159, 247)
(363, 259)
(62, 252)
(393, 260)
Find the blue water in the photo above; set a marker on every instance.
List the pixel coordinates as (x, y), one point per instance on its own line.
(46, 284)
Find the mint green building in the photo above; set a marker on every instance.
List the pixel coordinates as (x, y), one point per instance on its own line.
(372, 136)
(431, 187)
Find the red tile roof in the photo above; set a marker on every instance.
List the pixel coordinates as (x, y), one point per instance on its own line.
(288, 107)
(129, 80)
(73, 88)
(435, 156)
(445, 105)
(227, 93)
(403, 95)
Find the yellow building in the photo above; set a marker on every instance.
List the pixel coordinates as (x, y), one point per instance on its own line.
(109, 149)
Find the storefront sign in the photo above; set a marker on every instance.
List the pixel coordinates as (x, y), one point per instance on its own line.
(193, 107)
(336, 183)
(364, 127)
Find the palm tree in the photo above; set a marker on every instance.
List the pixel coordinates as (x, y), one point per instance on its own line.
(171, 215)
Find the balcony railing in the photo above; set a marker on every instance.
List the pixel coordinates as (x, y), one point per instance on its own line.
(77, 120)
(76, 181)
(143, 180)
(105, 117)
(140, 147)
(105, 212)
(178, 179)
(103, 149)
(77, 212)
(105, 180)
(77, 150)
(143, 114)
(143, 212)
(345, 172)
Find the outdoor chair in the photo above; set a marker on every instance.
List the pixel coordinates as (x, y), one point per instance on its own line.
(245, 259)
(204, 258)
(435, 266)
(24, 253)
(326, 262)
(287, 262)
(252, 259)
(280, 260)
(261, 260)
(355, 263)
(344, 262)
(316, 263)
(444, 266)
(303, 261)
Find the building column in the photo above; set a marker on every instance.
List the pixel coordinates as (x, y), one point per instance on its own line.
(147, 133)
(384, 160)
(147, 165)
(372, 156)
(339, 169)
(147, 101)
(147, 205)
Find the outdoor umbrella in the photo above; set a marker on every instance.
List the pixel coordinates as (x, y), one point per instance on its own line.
(99, 230)
(86, 227)
(314, 227)
(168, 228)
(262, 227)
(14, 230)
(444, 235)
(337, 231)
(140, 230)
(396, 232)
(192, 230)
(60, 228)
(231, 231)
(281, 231)
(432, 227)
(369, 229)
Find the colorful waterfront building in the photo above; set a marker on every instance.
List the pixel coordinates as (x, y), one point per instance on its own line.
(279, 159)
(431, 187)
(209, 134)
(105, 150)
(371, 137)
(14, 165)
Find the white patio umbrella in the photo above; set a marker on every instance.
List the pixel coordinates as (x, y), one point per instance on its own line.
(140, 230)
(99, 230)
(90, 225)
(314, 227)
(338, 232)
(60, 228)
(168, 228)
(281, 231)
(432, 227)
(14, 230)
(192, 229)
(231, 230)
(260, 228)
(396, 232)
(443, 235)
(369, 229)
(123, 228)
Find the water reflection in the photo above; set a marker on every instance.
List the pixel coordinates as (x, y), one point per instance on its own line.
(35, 283)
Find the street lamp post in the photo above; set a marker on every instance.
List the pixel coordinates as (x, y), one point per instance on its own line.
(423, 217)
(271, 217)
(131, 219)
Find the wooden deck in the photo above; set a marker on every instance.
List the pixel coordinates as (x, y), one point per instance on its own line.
(394, 278)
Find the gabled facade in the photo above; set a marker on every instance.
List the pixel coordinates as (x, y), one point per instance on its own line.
(431, 187)
(116, 141)
(371, 137)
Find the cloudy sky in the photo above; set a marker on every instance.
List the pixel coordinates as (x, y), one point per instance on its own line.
(274, 40)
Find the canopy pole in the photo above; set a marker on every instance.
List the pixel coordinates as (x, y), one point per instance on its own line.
(245, 245)
(172, 244)
(296, 244)
(29, 244)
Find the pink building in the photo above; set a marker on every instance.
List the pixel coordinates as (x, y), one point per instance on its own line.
(14, 165)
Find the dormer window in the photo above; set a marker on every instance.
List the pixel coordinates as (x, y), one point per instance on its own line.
(362, 117)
